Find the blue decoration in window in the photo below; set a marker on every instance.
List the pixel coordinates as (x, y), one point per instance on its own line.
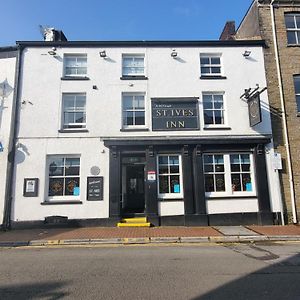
(249, 187)
(76, 191)
(176, 188)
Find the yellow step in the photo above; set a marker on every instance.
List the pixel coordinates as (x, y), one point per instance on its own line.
(134, 224)
(134, 220)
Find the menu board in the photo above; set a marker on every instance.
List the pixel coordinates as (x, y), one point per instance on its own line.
(95, 188)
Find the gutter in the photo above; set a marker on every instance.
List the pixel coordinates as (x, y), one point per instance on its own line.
(285, 129)
(12, 146)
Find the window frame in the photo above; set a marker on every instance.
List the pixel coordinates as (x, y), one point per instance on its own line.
(74, 55)
(297, 94)
(295, 30)
(210, 65)
(72, 126)
(214, 93)
(133, 56)
(133, 94)
(63, 197)
(168, 196)
(227, 176)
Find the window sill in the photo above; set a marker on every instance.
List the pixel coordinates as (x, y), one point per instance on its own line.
(293, 45)
(60, 202)
(137, 77)
(217, 128)
(134, 129)
(230, 197)
(170, 199)
(75, 78)
(79, 130)
(212, 77)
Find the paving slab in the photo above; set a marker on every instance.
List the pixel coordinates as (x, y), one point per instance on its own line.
(235, 230)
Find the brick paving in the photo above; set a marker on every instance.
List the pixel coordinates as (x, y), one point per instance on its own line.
(276, 230)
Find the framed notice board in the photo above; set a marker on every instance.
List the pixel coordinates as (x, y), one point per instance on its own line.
(95, 188)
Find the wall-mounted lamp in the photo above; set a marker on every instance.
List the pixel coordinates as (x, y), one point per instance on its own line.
(246, 53)
(174, 53)
(102, 54)
(52, 51)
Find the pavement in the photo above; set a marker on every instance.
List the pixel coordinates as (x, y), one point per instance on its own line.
(172, 234)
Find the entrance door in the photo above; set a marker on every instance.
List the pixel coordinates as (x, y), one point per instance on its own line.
(134, 199)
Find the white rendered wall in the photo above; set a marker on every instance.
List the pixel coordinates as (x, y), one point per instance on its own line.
(170, 208)
(7, 71)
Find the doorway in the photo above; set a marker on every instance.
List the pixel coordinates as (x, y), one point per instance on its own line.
(133, 185)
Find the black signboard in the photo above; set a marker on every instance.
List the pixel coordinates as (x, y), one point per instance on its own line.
(94, 188)
(175, 114)
(254, 110)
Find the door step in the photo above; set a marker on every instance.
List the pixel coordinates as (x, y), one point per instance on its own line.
(134, 222)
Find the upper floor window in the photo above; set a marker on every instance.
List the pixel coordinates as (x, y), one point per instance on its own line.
(64, 176)
(292, 23)
(133, 65)
(133, 109)
(228, 174)
(297, 91)
(75, 65)
(210, 64)
(74, 112)
(213, 109)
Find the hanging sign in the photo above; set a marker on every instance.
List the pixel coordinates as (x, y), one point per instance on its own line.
(175, 114)
(254, 110)
(151, 175)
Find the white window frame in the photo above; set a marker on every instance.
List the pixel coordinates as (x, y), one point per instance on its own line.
(133, 56)
(170, 195)
(295, 30)
(76, 56)
(297, 94)
(210, 65)
(133, 94)
(72, 126)
(227, 171)
(49, 198)
(213, 93)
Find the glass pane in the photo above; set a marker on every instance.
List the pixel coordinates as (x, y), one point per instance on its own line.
(215, 61)
(79, 118)
(291, 36)
(246, 168)
(235, 168)
(234, 159)
(163, 160)
(219, 117)
(70, 61)
(163, 170)
(56, 186)
(204, 60)
(220, 183)
(129, 118)
(215, 70)
(245, 158)
(56, 167)
(208, 117)
(219, 159)
(127, 102)
(126, 71)
(218, 105)
(70, 71)
(68, 102)
(208, 159)
(208, 168)
(81, 61)
(174, 160)
(289, 21)
(298, 21)
(139, 118)
(71, 162)
(209, 183)
(139, 102)
(298, 102)
(72, 171)
(139, 62)
(175, 185)
(207, 102)
(69, 118)
(205, 70)
(174, 169)
(163, 184)
(219, 168)
(236, 182)
(70, 184)
(218, 98)
(127, 61)
(298, 37)
(247, 186)
(80, 103)
(81, 71)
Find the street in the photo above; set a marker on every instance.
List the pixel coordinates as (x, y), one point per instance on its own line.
(202, 271)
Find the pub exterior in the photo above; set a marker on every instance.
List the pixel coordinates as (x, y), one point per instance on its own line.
(159, 129)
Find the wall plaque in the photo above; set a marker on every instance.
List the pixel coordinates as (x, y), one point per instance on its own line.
(175, 114)
(95, 188)
(31, 186)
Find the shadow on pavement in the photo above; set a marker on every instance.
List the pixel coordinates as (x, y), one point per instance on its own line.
(278, 281)
(47, 290)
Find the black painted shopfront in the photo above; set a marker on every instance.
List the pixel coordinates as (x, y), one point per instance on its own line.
(133, 175)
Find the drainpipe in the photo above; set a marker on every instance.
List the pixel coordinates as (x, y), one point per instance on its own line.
(285, 129)
(12, 146)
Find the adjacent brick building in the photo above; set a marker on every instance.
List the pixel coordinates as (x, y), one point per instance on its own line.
(278, 23)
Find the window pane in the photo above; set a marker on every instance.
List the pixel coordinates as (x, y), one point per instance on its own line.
(220, 183)
(139, 102)
(70, 184)
(219, 159)
(289, 21)
(69, 118)
(245, 158)
(56, 167)
(174, 160)
(208, 168)
(127, 102)
(81, 71)
(291, 36)
(208, 117)
(204, 60)
(205, 70)
(163, 184)
(215, 61)
(247, 186)
(219, 117)
(174, 169)
(215, 70)
(208, 159)
(139, 62)
(209, 183)
(70, 61)
(298, 21)
(218, 98)
(236, 182)
(298, 102)
(163, 160)
(219, 168)
(234, 159)
(127, 61)
(175, 185)
(79, 118)
(163, 170)
(129, 118)
(139, 118)
(56, 186)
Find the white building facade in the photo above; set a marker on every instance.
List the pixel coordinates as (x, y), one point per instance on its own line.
(114, 129)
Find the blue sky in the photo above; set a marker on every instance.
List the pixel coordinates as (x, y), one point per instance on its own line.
(119, 19)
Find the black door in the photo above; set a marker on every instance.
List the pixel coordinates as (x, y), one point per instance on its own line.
(135, 190)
